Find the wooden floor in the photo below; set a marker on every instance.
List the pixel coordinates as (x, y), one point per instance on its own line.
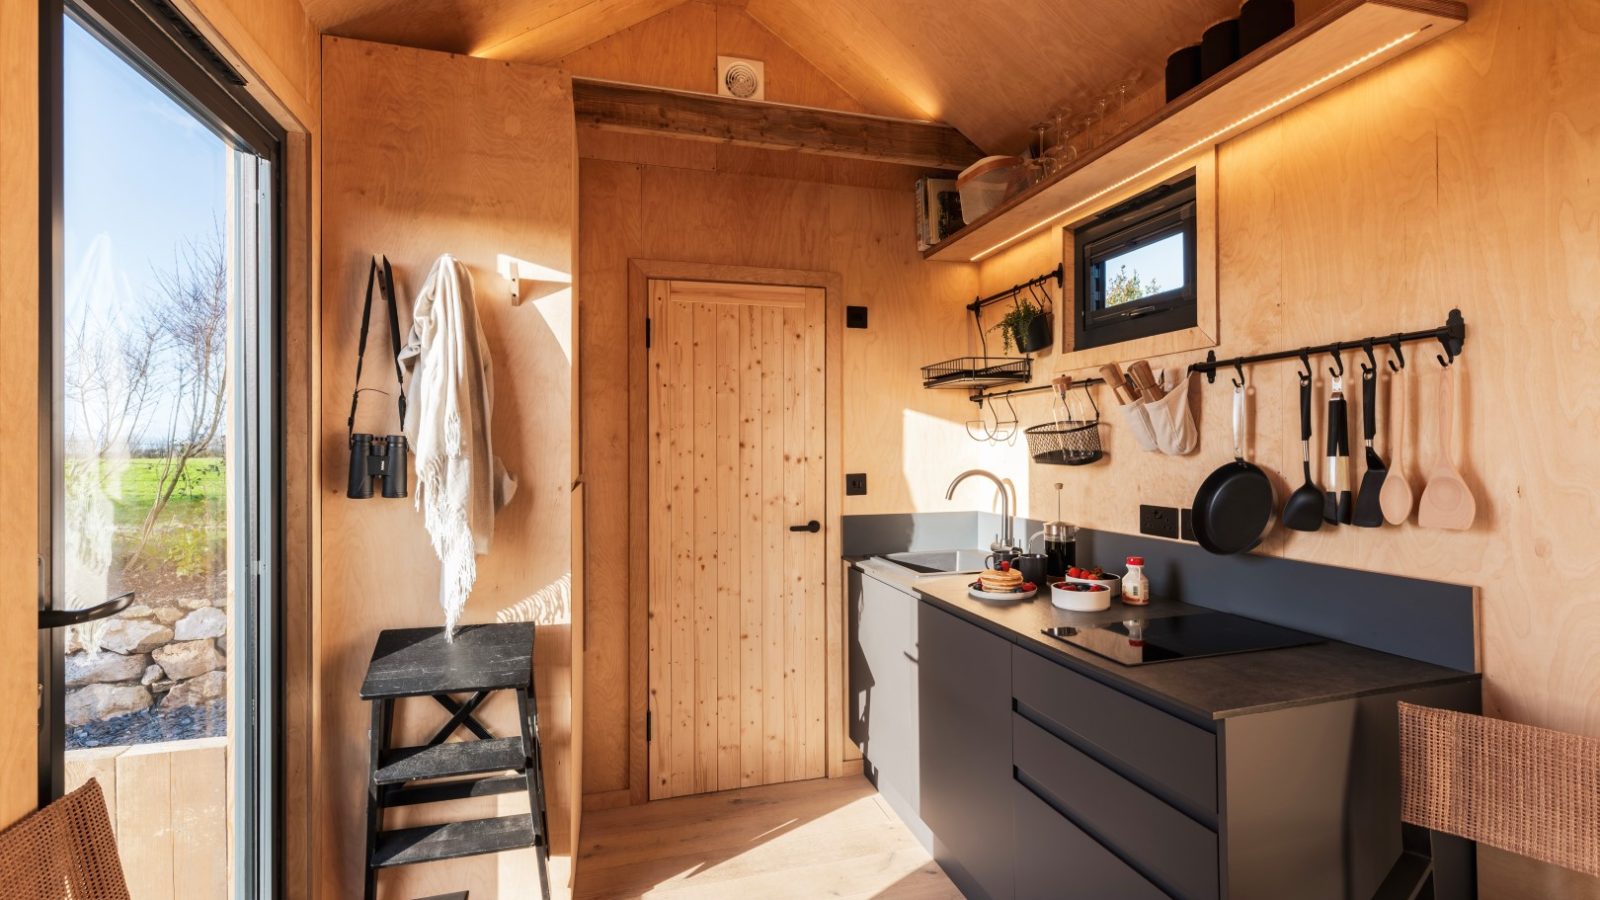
(822, 838)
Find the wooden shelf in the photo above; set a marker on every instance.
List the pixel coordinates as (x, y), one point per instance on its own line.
(1343, 42)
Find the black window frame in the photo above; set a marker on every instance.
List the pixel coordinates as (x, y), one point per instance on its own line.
(156, 39)
(1168, 209)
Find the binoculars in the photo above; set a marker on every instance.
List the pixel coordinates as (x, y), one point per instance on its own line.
(370, 459)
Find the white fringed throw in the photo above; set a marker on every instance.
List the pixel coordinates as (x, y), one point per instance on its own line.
(460, 482)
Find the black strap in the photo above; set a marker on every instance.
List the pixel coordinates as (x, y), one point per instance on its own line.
(384, 280)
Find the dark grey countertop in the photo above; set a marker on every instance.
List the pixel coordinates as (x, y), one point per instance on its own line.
(1206, 689)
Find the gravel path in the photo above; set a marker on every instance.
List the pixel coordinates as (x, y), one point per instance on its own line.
(153, 725)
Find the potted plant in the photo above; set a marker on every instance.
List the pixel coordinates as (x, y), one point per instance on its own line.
(1026, 327)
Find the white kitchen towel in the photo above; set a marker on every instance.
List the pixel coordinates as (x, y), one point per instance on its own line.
(460, 482)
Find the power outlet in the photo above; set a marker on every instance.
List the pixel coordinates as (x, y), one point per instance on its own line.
(1158, 521)
(1187, 529)
(855, 484)
(855, 317)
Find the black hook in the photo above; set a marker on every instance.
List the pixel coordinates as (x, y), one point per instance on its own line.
(1449, 349)
(1305, 360)
(1394, 343)
(1369, 368)
(1238, 366)
(1337, 350)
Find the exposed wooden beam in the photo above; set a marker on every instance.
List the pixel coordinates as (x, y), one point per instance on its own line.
(703, 117)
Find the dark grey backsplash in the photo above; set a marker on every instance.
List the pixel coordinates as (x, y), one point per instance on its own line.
(1425, 620)
(893, 532)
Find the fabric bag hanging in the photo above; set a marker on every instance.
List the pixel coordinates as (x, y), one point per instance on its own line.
(1171, 422)
(1139, 426)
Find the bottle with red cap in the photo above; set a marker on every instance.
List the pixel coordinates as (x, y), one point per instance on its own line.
(1135, 587)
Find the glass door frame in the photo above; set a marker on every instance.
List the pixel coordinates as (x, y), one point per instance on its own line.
(155, 40)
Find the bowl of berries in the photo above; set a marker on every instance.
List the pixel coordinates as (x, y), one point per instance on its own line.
(1080, 596)
(1097, 576)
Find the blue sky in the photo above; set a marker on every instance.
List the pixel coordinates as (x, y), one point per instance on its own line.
(143, 178)
(1161, 261)
(139, 169)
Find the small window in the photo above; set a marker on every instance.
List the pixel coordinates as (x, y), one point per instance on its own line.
(1136, 267)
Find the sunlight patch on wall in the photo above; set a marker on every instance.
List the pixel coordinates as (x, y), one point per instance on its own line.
(937, 450)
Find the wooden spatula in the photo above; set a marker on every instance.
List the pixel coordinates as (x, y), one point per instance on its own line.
(1396, 496)
(1447, 502)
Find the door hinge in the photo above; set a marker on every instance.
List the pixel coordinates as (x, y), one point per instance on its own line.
(647, 327)
(647, 726)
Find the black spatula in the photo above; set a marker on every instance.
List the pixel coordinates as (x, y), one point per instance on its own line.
(1369, 511)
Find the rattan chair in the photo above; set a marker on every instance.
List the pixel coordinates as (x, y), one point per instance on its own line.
(1521, 788)
(65, 851)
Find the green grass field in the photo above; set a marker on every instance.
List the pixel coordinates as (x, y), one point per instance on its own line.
(190, 538)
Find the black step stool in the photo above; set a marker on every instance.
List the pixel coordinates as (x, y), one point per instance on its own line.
(419, 662)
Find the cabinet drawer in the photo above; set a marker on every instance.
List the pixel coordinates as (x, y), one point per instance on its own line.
(1174, 850)
(1054, 858)
(1172, 758)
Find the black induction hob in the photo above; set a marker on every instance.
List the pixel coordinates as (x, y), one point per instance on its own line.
(1138, 642)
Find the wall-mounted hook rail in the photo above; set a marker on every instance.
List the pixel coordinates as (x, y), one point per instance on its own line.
(1453, 335)
(1052, 275)
(980, 396)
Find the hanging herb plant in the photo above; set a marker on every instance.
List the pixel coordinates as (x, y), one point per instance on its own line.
(1026, 327)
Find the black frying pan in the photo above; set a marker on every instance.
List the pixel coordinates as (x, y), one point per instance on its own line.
(1233, 508)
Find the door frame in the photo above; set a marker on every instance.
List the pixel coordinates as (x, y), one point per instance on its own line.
(640, 273)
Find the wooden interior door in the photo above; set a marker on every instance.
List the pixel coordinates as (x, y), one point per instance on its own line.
(736, 624)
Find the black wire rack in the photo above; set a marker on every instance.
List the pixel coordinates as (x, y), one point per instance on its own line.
(977, 372)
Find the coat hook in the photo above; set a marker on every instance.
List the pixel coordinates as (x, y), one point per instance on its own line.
(1337, 352)
(1369, 368)
(1305, 360)
(1394, 343)
(1238, 366)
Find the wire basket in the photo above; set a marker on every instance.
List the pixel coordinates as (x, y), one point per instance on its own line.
(1067, 441)
(1065, 445)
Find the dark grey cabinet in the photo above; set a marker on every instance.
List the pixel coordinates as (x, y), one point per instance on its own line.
(1033, 778)
(883, 692)
(1055, 858)
(964, 683)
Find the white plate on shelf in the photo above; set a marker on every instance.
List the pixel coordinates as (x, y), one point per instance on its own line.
(1006, 597)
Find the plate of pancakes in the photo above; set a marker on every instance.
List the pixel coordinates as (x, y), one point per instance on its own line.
(1004, 583)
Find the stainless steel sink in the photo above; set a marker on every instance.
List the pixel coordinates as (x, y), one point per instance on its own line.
(940, 562)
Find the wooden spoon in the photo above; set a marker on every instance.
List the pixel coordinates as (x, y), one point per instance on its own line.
(1447, 502)
(1395, 497)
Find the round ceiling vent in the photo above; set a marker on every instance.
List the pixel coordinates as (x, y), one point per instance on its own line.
(741, 80)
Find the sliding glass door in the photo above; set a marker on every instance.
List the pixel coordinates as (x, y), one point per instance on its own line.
(157, 665)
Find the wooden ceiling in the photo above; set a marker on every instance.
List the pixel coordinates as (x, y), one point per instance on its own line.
(989, 69)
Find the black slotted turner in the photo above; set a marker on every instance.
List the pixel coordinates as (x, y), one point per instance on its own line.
(1369, 511)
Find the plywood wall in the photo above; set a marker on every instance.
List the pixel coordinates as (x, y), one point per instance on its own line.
(1461, 175)
(679, 48)
(426, 153)
(19, 404)
(681, 201)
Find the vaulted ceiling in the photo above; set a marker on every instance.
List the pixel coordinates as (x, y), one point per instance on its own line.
(989, 69)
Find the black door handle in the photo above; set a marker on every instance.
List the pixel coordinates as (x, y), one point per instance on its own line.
(812, 526)
(61, 618)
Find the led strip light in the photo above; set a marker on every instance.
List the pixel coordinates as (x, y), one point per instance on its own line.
(1205, 141)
